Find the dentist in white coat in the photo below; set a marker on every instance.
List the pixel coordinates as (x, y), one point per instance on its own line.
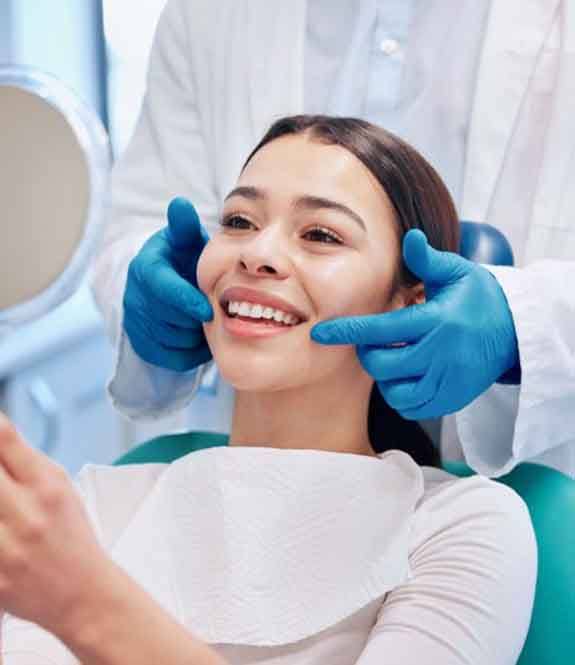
(485, 90)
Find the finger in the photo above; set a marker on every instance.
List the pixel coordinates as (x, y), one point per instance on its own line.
(432, 266)
(396, 364)
(8, 494)
(410, 394)
(426, 411)
(176, 337)
(402, 325)
(149, 308)
(178, 360)
(185, 231)
(161, 280)
(19, 460)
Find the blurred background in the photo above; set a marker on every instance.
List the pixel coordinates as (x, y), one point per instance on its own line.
(54, 371)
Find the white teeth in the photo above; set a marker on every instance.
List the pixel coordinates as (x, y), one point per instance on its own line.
(257, 311)
(245, 309)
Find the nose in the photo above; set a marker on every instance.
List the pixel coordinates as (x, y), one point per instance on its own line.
(264, 255)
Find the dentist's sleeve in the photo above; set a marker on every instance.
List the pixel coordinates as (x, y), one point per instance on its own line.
(166, 157)
(512, 424)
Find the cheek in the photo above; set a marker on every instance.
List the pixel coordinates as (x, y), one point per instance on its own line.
(210, 266)
(353, 287)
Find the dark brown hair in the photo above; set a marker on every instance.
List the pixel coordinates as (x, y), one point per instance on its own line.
(420, 201)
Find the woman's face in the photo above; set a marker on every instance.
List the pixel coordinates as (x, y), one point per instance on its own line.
(308, 234)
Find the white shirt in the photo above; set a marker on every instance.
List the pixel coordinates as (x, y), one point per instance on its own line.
(315, 557)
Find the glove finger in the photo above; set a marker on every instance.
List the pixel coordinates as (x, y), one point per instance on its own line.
(163, 313)
(394, 364)
(159, 279)
(176, 337)
(185, 231)
(174, 359)
(411, 394)
(432, 266)
(409, 324)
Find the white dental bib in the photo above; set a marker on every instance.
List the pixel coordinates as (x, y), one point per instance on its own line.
(265, 547)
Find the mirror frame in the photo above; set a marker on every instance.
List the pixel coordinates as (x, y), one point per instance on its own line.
(94, 143)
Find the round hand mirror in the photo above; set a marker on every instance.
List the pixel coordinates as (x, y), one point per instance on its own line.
(54, 163)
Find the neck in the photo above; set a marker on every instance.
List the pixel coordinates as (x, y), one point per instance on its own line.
(330, 416)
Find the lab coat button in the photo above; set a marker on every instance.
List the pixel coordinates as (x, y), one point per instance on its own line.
(388, 46)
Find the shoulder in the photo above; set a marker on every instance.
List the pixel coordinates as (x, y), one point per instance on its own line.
(112, 495)
(472, 512)
(453, 497)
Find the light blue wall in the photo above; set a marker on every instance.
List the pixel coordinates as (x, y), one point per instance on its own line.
(5, 33)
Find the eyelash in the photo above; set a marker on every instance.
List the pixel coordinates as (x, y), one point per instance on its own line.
(334, 238)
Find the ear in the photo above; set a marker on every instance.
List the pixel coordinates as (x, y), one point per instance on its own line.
(416, 294)
(409, 295)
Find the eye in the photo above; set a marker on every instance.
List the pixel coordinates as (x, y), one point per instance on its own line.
(236, 222)
(321, 234)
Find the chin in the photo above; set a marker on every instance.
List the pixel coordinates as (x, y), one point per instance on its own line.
(255, 373)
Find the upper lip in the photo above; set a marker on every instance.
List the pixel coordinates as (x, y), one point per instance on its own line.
(245, 294)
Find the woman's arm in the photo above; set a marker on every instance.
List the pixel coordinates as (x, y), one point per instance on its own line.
(118, 623)
(122, 624)
(55, 573)
(470, 599)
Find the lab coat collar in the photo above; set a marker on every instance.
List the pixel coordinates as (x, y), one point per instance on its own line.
(514, 37)
(263, 547)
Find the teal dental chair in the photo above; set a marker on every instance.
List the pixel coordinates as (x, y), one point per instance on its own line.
(548, 494)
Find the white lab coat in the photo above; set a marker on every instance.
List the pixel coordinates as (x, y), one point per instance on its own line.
(221, 72)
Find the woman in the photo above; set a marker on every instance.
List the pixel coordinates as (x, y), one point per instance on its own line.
(301, 541)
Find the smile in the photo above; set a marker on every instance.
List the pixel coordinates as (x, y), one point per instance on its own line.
(257, 313)
(266, 314)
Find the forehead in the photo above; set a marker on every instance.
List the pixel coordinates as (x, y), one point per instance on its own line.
(294, 165)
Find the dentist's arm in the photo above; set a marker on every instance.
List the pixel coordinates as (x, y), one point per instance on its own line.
(167, 157)
(479, 332)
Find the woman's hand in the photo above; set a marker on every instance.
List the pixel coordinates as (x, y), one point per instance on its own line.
(50, 558)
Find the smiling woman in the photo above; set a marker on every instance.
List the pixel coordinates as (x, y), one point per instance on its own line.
(314, 228)
(301, 541)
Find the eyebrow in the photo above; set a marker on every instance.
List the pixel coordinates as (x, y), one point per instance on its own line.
(305, 202)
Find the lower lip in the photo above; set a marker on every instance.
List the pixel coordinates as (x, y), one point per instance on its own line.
(245, 328)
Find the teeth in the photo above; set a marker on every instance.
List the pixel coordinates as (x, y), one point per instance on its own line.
(256, 311)
(245, 309)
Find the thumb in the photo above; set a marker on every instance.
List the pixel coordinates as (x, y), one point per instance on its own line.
(432, 266)
(185, 231)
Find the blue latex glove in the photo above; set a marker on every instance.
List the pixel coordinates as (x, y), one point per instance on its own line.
(454, 346)
(163, 307)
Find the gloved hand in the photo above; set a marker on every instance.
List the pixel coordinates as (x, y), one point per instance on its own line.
(454, 346)
(163, 307)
